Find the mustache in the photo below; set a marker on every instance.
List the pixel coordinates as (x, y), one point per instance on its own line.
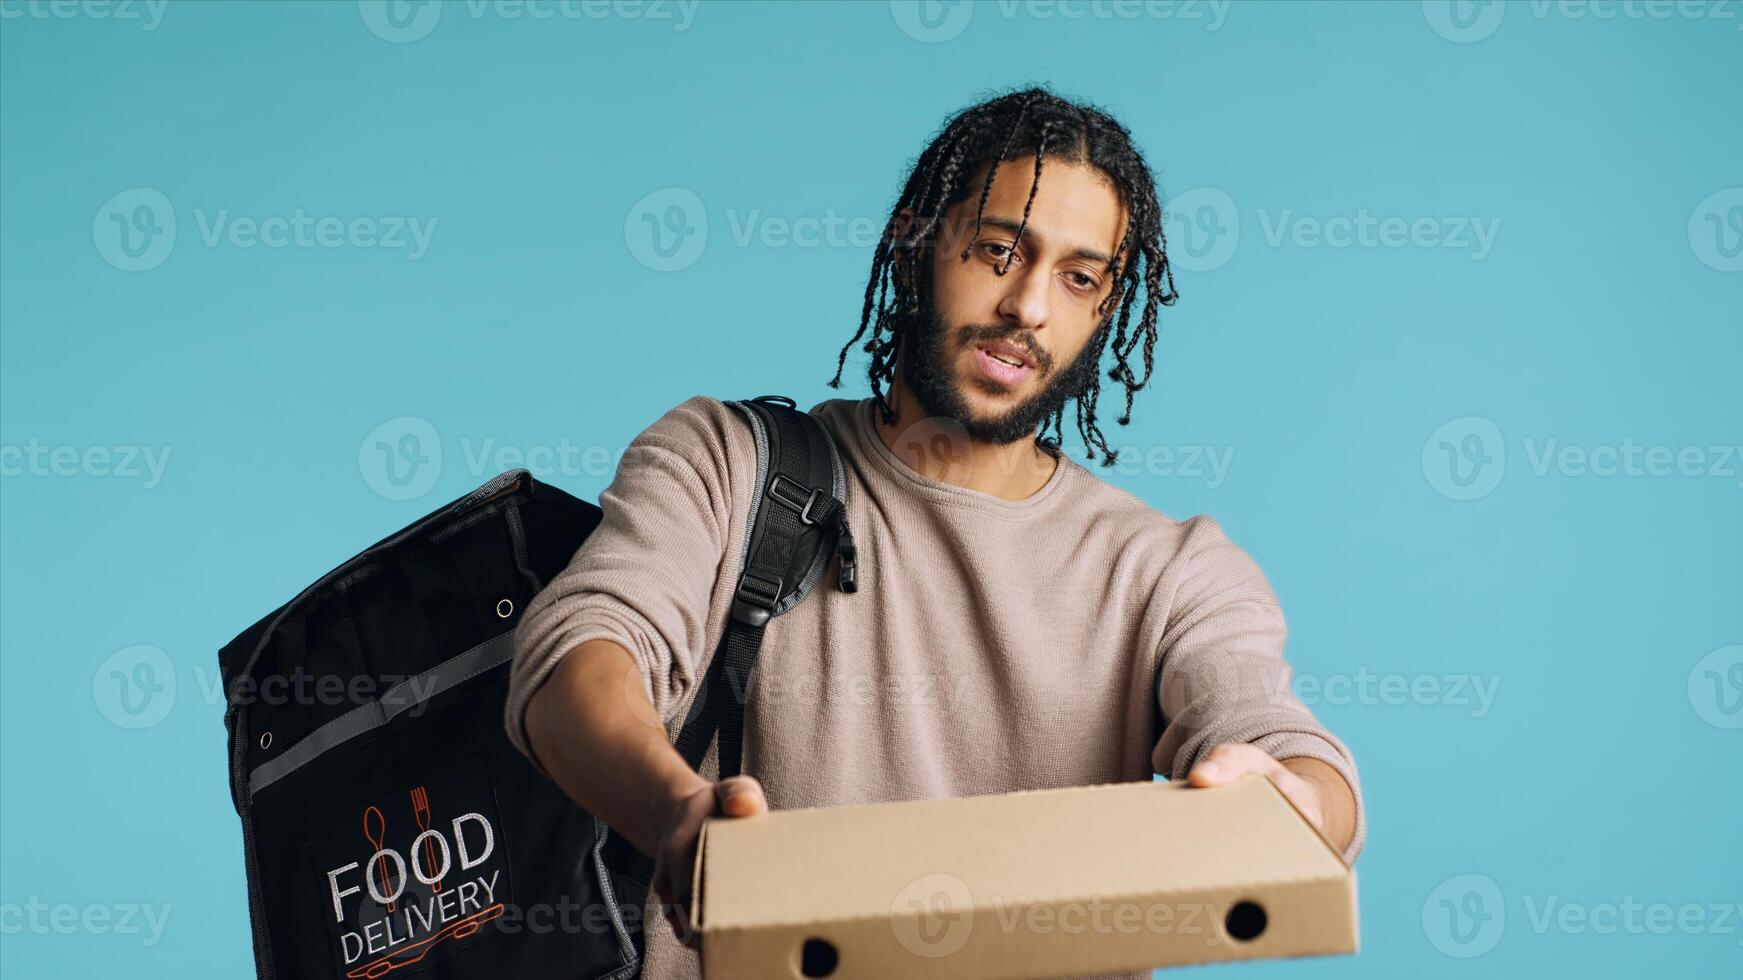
(1016, 337)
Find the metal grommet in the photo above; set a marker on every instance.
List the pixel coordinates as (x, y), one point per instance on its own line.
(504, 608)
(266, 740)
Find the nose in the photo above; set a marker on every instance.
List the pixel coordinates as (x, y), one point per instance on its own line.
(1024, 303)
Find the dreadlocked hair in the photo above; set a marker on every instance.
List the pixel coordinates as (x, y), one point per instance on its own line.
(1030, 121)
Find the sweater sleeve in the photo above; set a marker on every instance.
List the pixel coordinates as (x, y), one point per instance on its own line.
(649, 576)
(1223, 677)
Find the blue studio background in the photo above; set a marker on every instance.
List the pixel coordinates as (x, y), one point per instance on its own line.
(1456, 360)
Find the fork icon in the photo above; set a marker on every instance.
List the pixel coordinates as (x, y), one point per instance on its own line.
(421, 811)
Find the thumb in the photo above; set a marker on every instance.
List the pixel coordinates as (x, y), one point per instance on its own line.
(740, 796)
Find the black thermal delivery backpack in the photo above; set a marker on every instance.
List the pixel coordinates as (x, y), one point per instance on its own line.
(390, 829)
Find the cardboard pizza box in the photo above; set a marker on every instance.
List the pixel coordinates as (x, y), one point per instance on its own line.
(1036, 884)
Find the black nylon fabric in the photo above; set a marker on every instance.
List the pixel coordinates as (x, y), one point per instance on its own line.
(424, 845)
(438, 787)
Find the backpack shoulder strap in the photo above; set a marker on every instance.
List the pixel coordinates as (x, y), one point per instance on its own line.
(797, 519)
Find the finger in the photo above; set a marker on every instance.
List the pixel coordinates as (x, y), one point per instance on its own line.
(1228, 762)
(1299, 792)
(741, 796)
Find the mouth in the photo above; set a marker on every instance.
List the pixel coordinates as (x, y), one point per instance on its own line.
(1003, 363)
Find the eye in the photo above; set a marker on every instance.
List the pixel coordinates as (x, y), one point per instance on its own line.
(1082, 281)
(997, 250)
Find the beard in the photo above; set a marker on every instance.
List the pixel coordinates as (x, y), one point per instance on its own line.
(928, 369)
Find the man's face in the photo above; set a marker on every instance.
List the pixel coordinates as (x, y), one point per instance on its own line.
(1041, 313)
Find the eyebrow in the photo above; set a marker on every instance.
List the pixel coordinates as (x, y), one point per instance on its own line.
(1080, 252)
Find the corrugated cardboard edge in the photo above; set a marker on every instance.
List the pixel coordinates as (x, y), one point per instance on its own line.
(696, 880)
(1336, 852)
(697, 913)
(1349, 869)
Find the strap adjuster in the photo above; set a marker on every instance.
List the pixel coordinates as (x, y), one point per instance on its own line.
(795, 495)
(754, 602)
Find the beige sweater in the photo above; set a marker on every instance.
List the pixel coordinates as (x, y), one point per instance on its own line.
(993, 645)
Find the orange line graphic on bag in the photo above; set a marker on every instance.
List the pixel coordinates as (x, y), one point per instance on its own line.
(421, 810)
(415, 953)
(375, 832)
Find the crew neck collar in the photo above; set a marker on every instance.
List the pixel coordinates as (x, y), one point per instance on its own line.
(884, 458)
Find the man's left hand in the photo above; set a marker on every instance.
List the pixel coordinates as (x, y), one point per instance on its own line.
(1316, 789)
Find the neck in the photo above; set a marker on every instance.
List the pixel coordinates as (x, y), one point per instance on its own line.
(941, 450)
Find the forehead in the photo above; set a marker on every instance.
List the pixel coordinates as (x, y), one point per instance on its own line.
(1076, 208)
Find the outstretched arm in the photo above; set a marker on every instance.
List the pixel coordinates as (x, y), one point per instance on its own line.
(1225, 693)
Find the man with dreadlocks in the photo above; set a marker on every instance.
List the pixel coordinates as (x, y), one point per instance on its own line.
(1019, 623)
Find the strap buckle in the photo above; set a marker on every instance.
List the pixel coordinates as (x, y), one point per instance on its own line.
(799, 497)
(754, 602)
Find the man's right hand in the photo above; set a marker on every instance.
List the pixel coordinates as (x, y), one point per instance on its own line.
(596, 733)
(675, 854)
